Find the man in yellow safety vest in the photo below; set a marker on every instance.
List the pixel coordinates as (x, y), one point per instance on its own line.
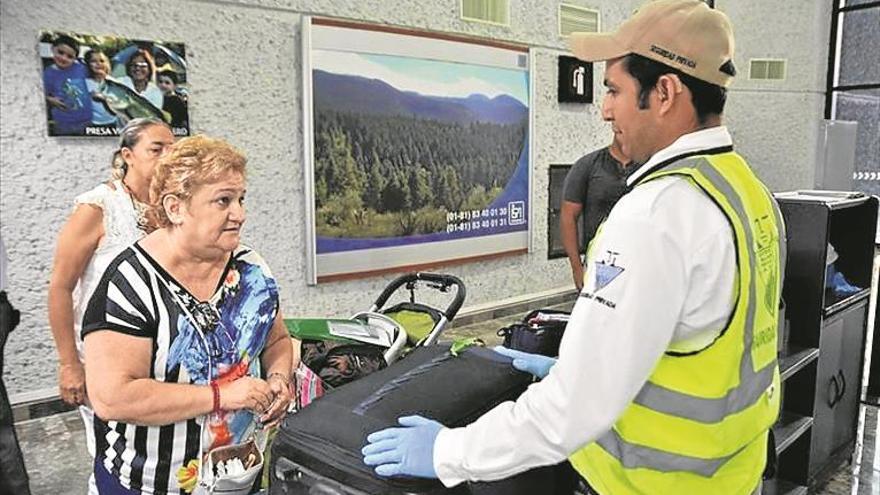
(667, 380)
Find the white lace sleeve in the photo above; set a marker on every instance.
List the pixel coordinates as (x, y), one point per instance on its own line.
(94, 197)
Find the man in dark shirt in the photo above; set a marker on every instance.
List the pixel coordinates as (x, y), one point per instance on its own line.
(13, 476)
(592, 186)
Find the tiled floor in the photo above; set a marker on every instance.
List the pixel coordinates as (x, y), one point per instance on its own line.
(863, 475)
(57, 461)
(55, 454)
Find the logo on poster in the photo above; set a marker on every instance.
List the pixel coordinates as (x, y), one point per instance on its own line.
(516, 213)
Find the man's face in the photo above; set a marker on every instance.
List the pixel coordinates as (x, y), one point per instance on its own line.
(63, 56)
(633, 128)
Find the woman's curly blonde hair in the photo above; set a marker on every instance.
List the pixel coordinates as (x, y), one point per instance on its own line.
(190, 163)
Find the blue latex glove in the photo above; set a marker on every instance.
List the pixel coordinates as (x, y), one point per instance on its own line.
(836, 281)
(535, 364)
(407, 451)
(842, 287)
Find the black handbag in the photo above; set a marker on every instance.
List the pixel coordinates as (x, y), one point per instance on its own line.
(539, 332)
(9, 319)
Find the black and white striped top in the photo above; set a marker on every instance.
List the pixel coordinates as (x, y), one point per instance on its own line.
(131, 298)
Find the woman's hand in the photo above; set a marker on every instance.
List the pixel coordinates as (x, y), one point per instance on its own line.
(276, 360)
(76, 244)
(72, 383)
(281, 388)
(246, 393)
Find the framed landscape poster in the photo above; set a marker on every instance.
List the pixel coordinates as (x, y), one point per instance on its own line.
(416, 149)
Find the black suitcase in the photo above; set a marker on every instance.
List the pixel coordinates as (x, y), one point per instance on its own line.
(318, 450)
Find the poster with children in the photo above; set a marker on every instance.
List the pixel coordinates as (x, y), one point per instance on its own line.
(95, 84)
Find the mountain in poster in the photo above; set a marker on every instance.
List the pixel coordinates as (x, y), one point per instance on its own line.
(355, 94)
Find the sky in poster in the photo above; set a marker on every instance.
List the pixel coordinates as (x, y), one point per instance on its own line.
(427, 77)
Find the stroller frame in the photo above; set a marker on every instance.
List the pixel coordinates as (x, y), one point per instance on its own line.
(416, 324)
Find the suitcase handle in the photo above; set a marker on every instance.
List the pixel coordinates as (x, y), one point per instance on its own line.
(286, 471)
(323, 489)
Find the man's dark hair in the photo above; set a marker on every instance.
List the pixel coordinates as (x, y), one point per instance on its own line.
(170, 74)
(708, 98)
(63, 39)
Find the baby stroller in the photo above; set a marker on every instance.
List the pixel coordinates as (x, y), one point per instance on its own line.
(338, 351)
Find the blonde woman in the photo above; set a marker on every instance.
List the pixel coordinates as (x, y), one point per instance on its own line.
(185, 344)
(106, 220)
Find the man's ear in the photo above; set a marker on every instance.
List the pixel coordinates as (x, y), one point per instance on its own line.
(669, 89)
(174, 208)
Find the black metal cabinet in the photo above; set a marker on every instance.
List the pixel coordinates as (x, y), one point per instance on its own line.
(826, 336)
(852, 323)
(837, 386)
(826, 395)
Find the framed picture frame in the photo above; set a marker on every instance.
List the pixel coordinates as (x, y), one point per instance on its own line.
(417, 149)
(94, 84)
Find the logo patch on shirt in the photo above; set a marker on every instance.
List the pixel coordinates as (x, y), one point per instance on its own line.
(607, 270)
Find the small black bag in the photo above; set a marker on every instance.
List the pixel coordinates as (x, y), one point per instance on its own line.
(339, 363)
(540, 332)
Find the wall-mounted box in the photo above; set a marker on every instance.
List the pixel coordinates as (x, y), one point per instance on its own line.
(575, 80)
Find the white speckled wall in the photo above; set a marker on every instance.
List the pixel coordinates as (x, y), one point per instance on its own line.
(775, 123)
(245, 77)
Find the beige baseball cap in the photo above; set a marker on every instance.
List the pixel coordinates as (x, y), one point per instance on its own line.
(684, 34)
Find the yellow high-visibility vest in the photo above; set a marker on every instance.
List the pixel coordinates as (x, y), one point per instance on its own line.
(699, 424)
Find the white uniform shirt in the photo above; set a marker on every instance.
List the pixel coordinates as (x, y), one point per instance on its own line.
(666, 282)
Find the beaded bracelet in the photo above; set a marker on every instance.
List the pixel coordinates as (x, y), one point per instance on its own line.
(215, 390)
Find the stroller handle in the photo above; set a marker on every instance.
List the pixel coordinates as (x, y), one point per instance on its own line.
(444, 281)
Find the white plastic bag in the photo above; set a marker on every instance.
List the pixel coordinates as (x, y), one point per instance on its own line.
(251, 455)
